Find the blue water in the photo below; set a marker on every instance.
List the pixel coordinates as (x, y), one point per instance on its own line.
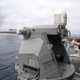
(8, 52)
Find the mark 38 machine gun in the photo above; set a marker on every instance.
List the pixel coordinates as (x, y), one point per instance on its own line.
(42, 55)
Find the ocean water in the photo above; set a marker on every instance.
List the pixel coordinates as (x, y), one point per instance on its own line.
(8, 52)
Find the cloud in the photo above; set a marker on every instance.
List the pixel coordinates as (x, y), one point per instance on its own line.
(31, 12)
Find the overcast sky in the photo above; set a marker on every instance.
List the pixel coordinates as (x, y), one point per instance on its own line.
(18, 13)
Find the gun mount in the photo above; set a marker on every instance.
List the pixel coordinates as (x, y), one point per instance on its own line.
(42, 54)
